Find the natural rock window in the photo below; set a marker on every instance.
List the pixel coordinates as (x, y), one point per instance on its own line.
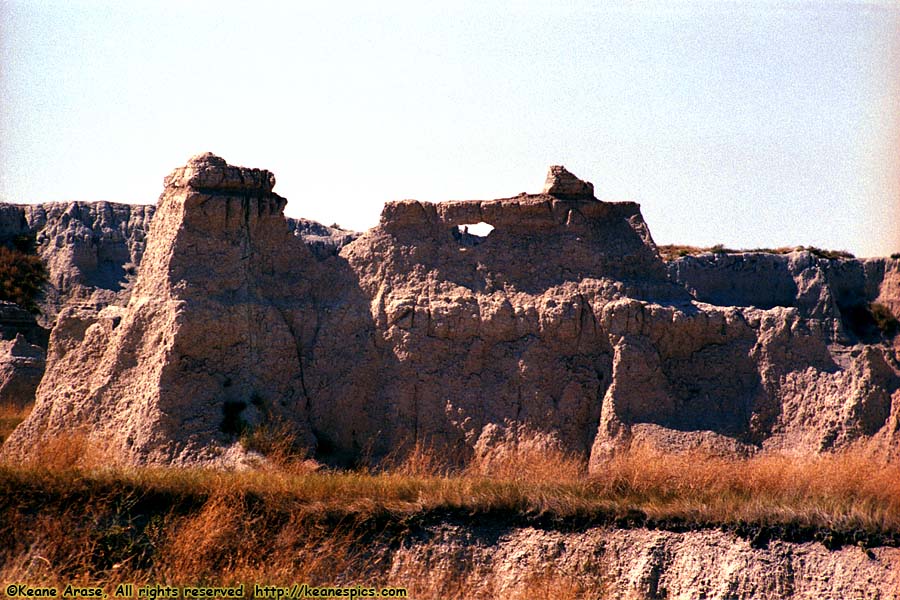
(472, 234)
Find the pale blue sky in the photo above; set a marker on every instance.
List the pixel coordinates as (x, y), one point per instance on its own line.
(750, 124)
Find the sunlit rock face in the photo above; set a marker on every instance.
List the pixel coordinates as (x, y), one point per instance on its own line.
(210, 341)
(561, 326)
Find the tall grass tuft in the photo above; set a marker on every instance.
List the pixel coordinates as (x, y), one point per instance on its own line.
(10, 417)
(67, 515)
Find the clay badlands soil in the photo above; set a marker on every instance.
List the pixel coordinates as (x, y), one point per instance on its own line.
(228, 396)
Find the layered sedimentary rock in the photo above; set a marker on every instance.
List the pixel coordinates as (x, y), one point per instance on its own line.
(207, 340)
(21, 369)
(474, 342)
(90, 249)
(15, 320)
(22, 345)
(561, 325)
(563, 184)
(323, 240)
(820, 289)
(490, 561)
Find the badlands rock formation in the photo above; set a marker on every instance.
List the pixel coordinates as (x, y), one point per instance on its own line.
(210, 338)
(22, 344)
(831, 291)
(563, 324)
(625, 564)
(323, 240)
(91, 249)
(563, 184)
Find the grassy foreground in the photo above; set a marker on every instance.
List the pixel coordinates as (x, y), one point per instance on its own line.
(64, 519)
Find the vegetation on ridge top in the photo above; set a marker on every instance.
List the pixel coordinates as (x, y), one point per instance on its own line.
(670, 252)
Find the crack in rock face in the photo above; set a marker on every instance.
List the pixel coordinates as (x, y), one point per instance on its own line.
(562, 329)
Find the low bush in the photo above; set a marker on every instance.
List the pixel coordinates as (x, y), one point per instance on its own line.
(827, 254)
(22, 277)
(884, 319)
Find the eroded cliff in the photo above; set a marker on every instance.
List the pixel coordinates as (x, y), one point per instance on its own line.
(563, 322)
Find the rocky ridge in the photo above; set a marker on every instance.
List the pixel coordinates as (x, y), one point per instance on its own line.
(92, 251)
(822, 290)
(21, 370)
(563, 325)
(642, 563)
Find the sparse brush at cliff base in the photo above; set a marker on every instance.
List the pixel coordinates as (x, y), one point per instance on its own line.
(10, 417)
(65, 517)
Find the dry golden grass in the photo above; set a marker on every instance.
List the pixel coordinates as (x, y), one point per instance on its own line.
(533, 460)
(278, 443)
(68, 516)
(841, 490)
(848, 489)
(420, 460)
(10, 417)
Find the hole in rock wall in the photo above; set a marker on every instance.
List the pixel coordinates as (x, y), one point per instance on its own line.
(232, 421)
(480, 229)
(472, 234)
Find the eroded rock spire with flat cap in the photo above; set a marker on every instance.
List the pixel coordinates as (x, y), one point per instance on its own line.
(563, 184)
(210, 342)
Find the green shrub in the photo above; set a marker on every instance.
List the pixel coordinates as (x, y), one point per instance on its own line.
(884, 319)
(829, 254)
(21, 278)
